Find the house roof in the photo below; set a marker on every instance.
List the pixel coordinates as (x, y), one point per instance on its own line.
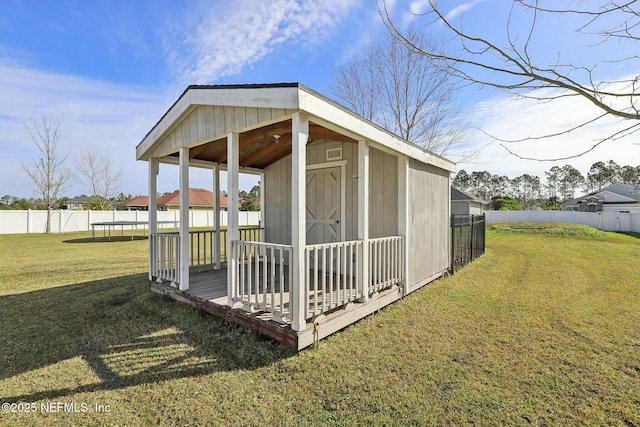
(136, 201)
(619, 188)
(459, 195)
(80, 199)
(608, 198)
(203, 116)
(197, 197)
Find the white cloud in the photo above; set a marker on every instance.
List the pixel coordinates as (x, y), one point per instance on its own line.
(222, 41)
(95, 114)
(420, 7)
(509, 119)
(459, 10)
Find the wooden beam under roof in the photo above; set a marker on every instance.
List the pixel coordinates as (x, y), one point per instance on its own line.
(319, 132)
(194, 151)
(248, 138)
(282, 142)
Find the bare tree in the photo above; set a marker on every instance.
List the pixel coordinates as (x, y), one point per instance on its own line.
(509, 64)
(47, 172)
(403, 92)
(97, 173)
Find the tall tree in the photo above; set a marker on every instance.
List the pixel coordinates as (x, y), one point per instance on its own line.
(97, 173)
(508, 63)
(630, 175)
(602, 174)
(405, 93)
(553, 177)
(481, 182)
(47, 172)
(462, 180)
(570, 181)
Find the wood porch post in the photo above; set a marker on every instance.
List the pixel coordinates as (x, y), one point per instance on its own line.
(216, 217)
(153, 212)
(403, 215)
(184, 219)
(300, 135)
(363, 216)
(233, 234)
(261, 224)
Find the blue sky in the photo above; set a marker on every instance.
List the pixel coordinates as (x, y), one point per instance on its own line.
(111, 68)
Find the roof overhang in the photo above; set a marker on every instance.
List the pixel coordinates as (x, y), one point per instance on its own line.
(331, 121)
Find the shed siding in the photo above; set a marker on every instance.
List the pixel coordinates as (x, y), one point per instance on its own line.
(383, 194)
(204, 123)
(278, 202)
(278, 188)
(428, 238)
(466, 208)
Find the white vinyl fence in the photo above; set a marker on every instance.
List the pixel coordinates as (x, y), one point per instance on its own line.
(66, 221)
(606, 221)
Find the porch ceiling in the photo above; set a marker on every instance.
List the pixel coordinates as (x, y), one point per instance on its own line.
(264, 146)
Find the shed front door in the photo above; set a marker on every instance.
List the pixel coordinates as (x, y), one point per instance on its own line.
(323, 205)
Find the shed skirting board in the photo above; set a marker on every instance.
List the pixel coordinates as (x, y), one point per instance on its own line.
(340, 319)
(272, 330)
(426, 281)
(314, 331)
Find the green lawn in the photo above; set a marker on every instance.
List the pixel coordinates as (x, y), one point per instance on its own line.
(544, 329)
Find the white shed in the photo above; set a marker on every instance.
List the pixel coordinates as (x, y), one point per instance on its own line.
(353, 216)
(465, 204)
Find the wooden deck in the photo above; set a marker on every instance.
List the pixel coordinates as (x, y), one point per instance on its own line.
(208, 293)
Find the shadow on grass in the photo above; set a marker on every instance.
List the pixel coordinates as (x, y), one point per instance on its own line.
(105, 239)
(630, 234)
(118, 334)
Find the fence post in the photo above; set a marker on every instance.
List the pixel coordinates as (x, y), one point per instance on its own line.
(453, 241)
(471, 251)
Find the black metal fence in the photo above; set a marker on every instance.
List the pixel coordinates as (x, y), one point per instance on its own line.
(467, 239)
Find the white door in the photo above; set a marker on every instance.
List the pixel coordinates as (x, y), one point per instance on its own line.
(323, 205)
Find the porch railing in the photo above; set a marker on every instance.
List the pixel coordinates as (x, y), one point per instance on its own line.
(165, 251)
(201, 245)
(261, 277)
(386, 261)
(333, 273)
(165, 256)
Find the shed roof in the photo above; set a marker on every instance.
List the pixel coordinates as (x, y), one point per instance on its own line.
(203, 115)
(459, 195)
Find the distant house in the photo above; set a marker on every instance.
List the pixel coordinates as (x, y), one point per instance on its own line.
(139, 203)
(78, 203)
(614, 198)
(199, 199)
(465, 204)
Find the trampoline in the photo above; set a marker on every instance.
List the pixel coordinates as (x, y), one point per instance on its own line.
(107, 226)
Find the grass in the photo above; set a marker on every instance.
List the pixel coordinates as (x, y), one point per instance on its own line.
(555, 229)
(541, 330)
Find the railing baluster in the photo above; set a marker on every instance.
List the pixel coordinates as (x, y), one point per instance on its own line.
(265, 271)
(273, 280)
(339, 286)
